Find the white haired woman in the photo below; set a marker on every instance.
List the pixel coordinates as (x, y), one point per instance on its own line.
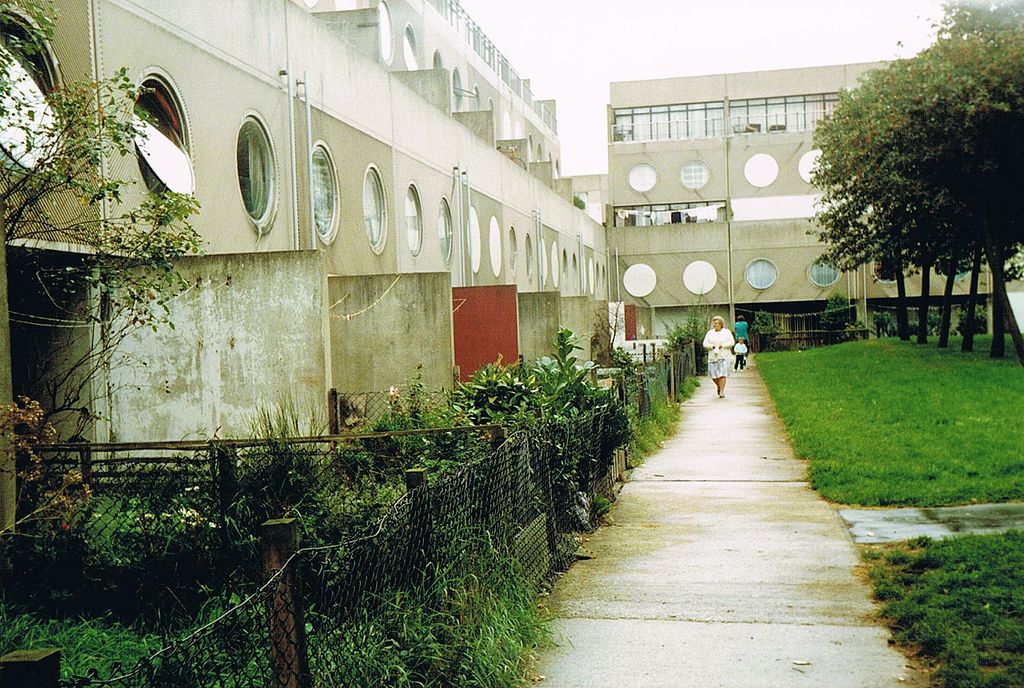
(718, 342)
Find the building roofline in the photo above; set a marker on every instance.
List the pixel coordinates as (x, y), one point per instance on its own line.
(877, 63)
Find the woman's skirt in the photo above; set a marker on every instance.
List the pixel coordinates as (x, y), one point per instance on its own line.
(719, 368)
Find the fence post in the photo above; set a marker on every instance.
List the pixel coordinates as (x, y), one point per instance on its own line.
(279, 540)
(643, 347)
(420, 525)
(30, 669)
(456, 376)
(85, 461)
(225, 462)
(333, 421)
(672, 376)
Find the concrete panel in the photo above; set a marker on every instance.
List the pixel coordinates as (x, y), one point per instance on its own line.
(581, 314)
(539, 318)
(249, 333)
(431, 85)
(383, 326)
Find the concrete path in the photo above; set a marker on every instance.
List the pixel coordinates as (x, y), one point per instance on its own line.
(722, 568)
(874, 526)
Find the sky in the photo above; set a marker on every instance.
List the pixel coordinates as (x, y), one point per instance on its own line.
(571, 50)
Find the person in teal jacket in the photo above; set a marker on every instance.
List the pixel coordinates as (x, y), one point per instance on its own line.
(741, 328)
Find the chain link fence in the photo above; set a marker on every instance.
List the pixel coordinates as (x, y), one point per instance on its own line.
(381, 541)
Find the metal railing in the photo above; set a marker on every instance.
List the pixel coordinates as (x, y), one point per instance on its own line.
(475, 38)
(776, 123)
(672, 130)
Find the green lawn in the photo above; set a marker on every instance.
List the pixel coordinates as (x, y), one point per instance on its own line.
(960, 603)
(886, 422)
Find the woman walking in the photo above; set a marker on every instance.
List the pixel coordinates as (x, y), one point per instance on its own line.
(718, 342)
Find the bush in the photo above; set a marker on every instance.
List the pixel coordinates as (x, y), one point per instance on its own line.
(980, 322)
(838, 313)
(764, 323)
(885, 323)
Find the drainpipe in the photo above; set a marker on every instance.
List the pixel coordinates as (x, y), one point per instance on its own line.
(287, 74)
(728, 218)
(309, 158)
(469, 244)
(541, 253)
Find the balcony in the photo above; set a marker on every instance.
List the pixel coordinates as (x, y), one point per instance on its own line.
(776, 123)
(674, 130)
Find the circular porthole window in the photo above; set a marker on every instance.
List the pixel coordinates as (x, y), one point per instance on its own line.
(444, 230)
(761, 170)
(474, 240)
(410, 50)
(163, 157)
(695, 175)
(413, 220)
(385, 32)
(642, 177)
(255, 162)
(375, 211)
(761, 273)
(700, 277)
(639, 280)
(494, 245)
(325, 194)
(808, 163)
(823, 275)
(529, 256)
(27, 121)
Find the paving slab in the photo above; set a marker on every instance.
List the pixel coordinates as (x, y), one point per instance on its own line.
(721, 567)
(875, 526)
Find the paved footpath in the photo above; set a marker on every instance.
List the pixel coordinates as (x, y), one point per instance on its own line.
(722, 568)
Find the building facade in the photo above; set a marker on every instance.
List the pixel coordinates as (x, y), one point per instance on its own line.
(355, 161)
(711, 201)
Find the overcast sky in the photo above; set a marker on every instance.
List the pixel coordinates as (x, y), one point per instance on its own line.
(572, 49)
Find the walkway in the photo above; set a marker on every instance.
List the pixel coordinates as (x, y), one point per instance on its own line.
(722, 568)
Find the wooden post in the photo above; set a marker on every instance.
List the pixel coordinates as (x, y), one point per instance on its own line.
(85, 462)
(289, 663)
(497, 438)
(225, 463)
(420, 525)
(644, 349)
(30, 669)
(672, 376)
(333, 421)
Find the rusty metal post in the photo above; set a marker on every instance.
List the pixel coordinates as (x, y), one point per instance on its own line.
(289, 663)
(30, 669)
(333, 420)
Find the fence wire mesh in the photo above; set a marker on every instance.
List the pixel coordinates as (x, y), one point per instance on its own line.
(327, 611)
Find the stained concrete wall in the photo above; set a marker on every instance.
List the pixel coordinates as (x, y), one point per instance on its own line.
(539, 314)
(580, 314)
(249, 332)
(396, 322)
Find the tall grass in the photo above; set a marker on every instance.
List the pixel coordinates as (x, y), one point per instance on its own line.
(650, 432)
(885, 422)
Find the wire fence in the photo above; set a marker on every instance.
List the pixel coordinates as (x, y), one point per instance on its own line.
(349, 411)
(327, 610)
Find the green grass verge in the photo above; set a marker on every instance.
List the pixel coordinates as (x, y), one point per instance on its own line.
(960, 602)
(651, 431)
(886, 422)
(85, 644)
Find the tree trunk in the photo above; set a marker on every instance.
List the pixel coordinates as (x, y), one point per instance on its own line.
(902, 323)
(947, 307)
(1000, 297)
(972, 301)
(998, 349)
(922, 309)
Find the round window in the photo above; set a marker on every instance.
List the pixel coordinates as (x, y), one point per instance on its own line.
(528, 247)
(761, 170)
(26, 120)
(494, 244)
(808, 162)
(444, 230)
(160, 143)
(639, 280)
(700, 277)
(413, 220)
(384, 32)
(474, 240)
(643, 177)
(513, 251)
(325, 194)
(375, 213)
(695, 174)
(823, 275)
(761, 273)
(409, 49)
(255, 162)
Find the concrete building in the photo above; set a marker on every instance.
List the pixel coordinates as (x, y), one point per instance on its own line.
(710, 200)
(355, 161)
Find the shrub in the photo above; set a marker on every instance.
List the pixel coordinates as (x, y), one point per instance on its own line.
(885, 323)
(838, 313)
(980, 322)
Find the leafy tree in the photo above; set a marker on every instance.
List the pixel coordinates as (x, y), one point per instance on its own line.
(119, 267)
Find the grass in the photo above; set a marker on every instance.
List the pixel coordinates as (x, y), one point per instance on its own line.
(960, 603)
(86, 644)
(885, 422)
(651, 431)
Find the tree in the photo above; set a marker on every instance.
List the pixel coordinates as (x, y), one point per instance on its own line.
(99, 254)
